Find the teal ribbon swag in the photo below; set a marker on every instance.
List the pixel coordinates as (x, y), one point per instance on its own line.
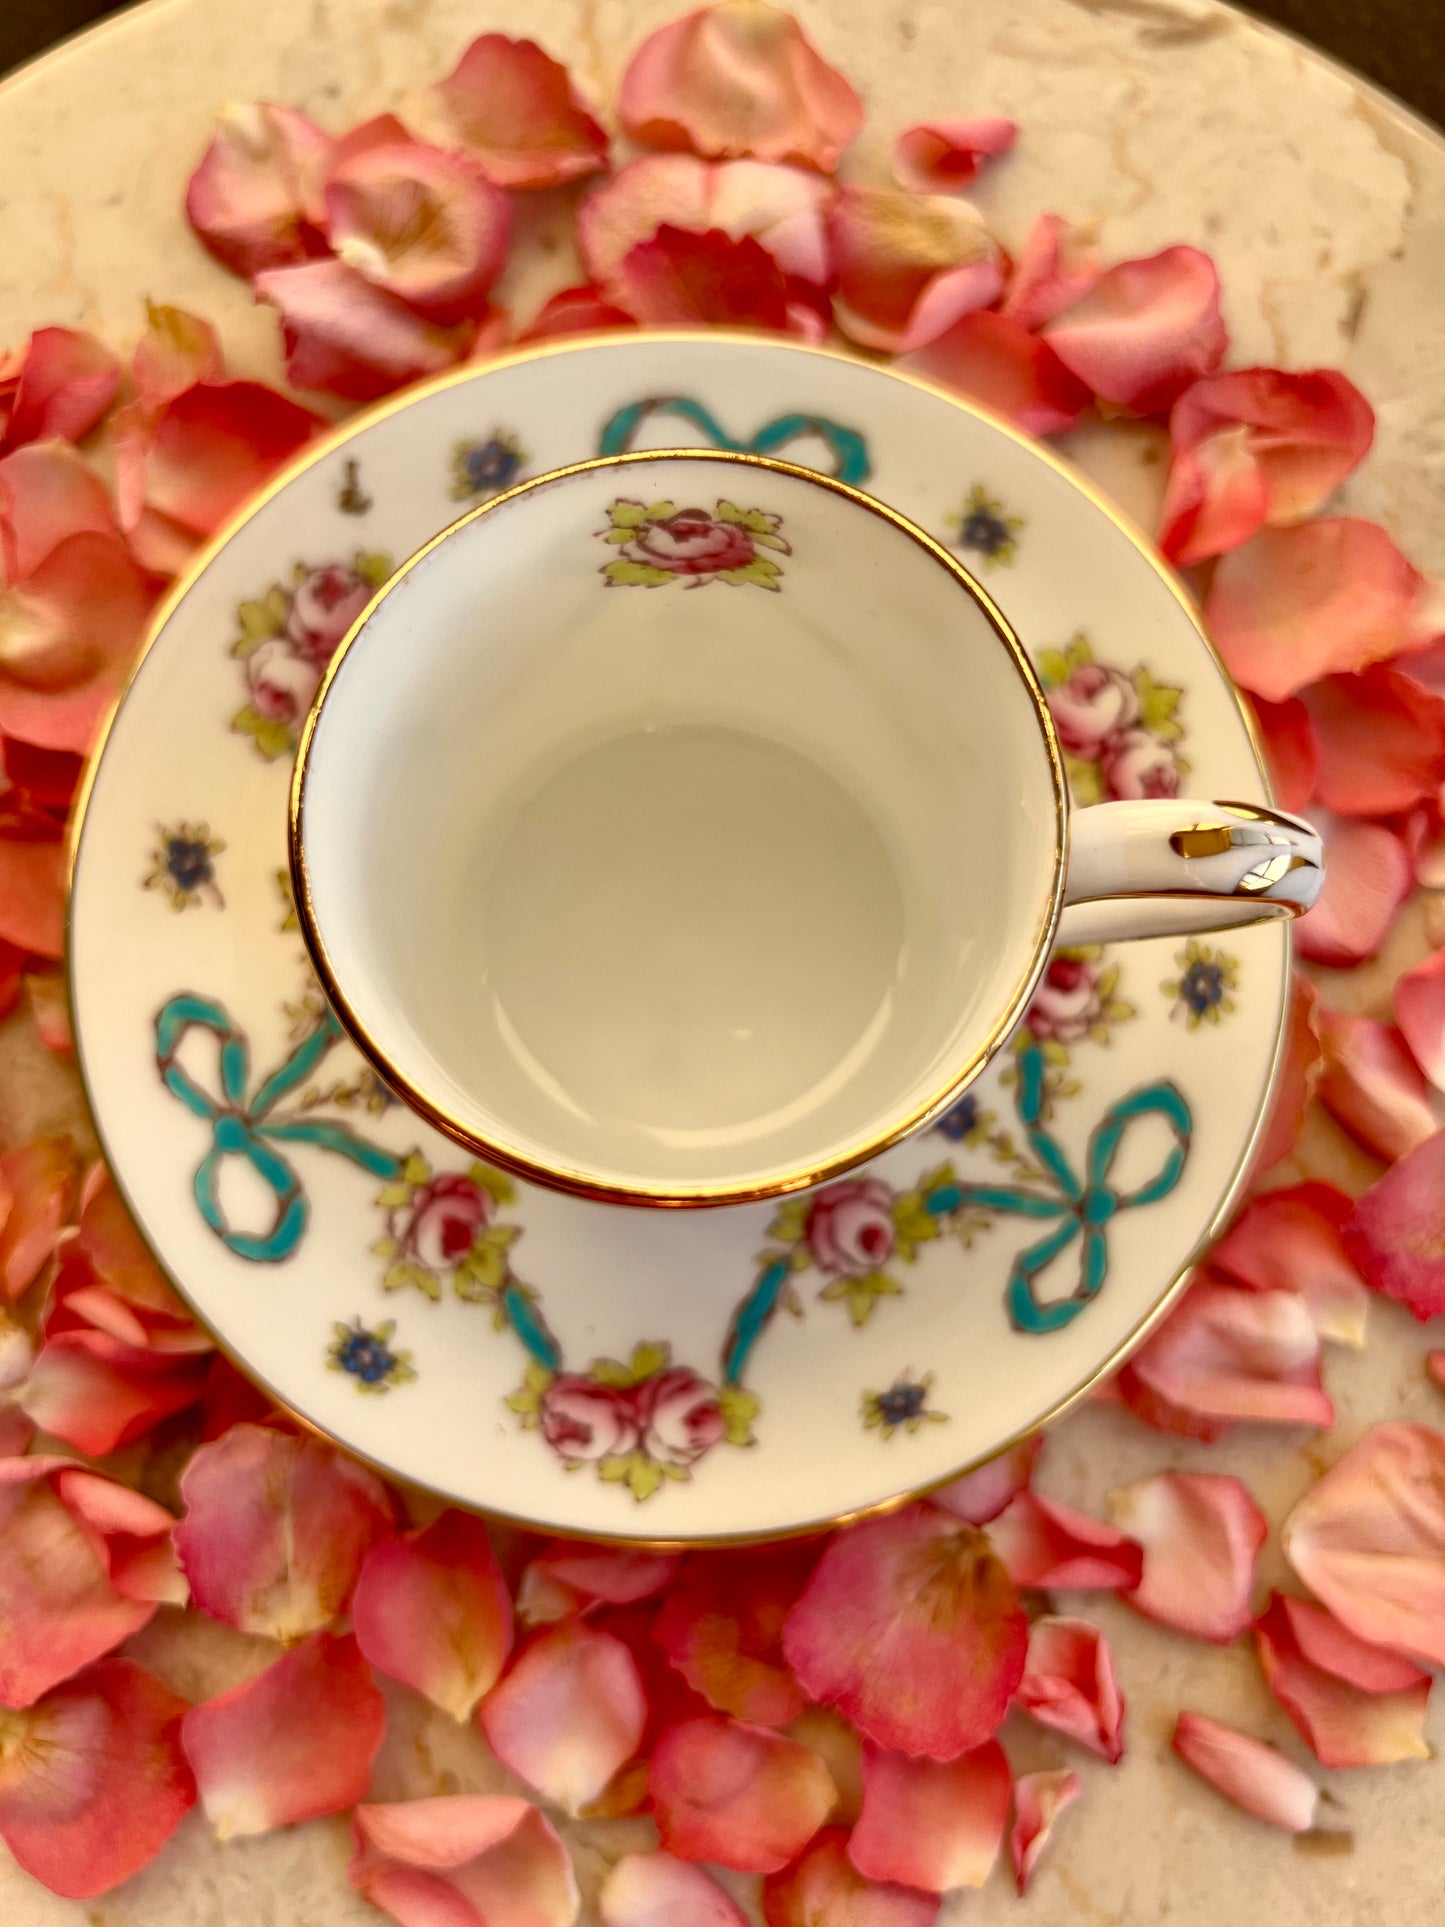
(846, 446)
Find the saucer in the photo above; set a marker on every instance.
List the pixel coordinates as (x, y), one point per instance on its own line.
(624, 1373)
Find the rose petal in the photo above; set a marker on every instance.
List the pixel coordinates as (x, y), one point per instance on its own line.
(37, 1196)
(276, 1529)
(981, 1495)
(48, 492)
(431, 1609)
(1254, 1776)
(1292, 1240)
(721, 1626)
(1374, 1087)
(1382, 741)
(1201, 1533)
(1145, 329)
(739, 78)
(1397, 1232)
(1294, 604)
(199, 456)
(463, 1860)
(1051, 1546)
(908, 267)
(825, 1887)
(92, 1780)
(32, 894)
(575, 311)
(1051, 271)
(98, 1393)
(294, 1742)
(993, 359)
(571, 1576)
(1291, 749)
(255, 199)
(59, 384)
(1039, 1799)
(1297, 1076)
(348, 338)
(513, 109)
(1368, 875)
(1420, 1013)
(569, 1713)
(929, 1823)
(911, 1627)
(1069, 1683)
(1225, 1355)
(40, 779)
(1342, 1725)
(50, 1010)
(132, 1533)
(679, 279)
(176, 351)
(654, 1890)
(1334, 1650)
(935, 155)
(740, 1796)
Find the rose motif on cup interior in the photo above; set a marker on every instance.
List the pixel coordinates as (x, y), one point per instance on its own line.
(1093, 708)
(680, 1415)
(323, 608)
(659, 542)
(849, 1228)
(584, 1422)
(1138, 764)
(1119, 729)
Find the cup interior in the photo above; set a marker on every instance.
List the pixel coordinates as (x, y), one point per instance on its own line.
(680, 828)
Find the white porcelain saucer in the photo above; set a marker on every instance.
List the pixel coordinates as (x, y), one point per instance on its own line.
(595, 1369)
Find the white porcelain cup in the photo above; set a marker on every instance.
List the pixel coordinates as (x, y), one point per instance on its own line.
(686, 828)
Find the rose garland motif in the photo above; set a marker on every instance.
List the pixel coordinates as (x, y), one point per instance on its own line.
(1118, 728)
(289, 635)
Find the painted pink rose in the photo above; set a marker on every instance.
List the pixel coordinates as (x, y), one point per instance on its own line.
(681, 1418)
(1094, 706)
(1067, 1004)
(323, 608)
(282, 684)
(446, 1217)
(692, 542)
(583, 1421)
(849, 1227)
(1138, 764)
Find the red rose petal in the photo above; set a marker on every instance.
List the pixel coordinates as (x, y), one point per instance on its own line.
(33, 877)
(1254, 1776)
(291, 1744)
(1051, 1546)
(1069, 1684)
(176, 351)
(1382, 741)
(1291, 749)
(569, 1713)
(575, 311)
(1397, 1233)
(981, 1495)
(911, 1627)
(1225, 1355)
(739, 78)
(1420, 1013)
(1039, 1799)
(431, 1609)
(1297, 1077)
(908, 267)
(39, 779)
(59, 384)
(680, 279)
(933, 1824)
(348, 338)
(1374, 1087)
(1292, 1240)
(1342, 1725)
(1201, 1533)
(654, 1890)
(825, 1887)
(740, 1796)
(275, 1530)
(48, 492)
(1051, 271)
(255, 198)
(993, 359)
(37, 1196)
(92, 1780)
(461, 1860)
(1145, 330)
(936, 155)
(721, 1626)
(513, 109)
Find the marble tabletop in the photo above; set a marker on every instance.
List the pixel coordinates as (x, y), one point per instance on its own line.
(1159, 121)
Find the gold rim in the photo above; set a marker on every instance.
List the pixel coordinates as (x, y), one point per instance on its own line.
(564, 1177)
(456, 377)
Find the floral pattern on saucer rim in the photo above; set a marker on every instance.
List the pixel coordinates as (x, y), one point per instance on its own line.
(591, 1368)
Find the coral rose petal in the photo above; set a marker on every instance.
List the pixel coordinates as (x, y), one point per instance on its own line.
(825, 1887)
(60, 384)
(672, 190)
(513, 109)
(1342, 1724)
(739, 78)
(1374, 1087)
(1297, 1078)
(462, 1860)
(1397, 1232)
(345, 337)
(1368, 875)
(933, 1824)
(571, 1576)
(32, 894)
(739, 1796)
(1292, 1240)
(1335, 1650)
(290, 1744)
(211, 447)
(48, 492)
(1201, 1533)
(37, 1196)
(92, 1779)
(981, 1495)
(98, 1393)
(255, 198)
(681, 279)
(908, 267)
(936, 155)
(655, 1890)
(721, 1626)
(1039, 1799)
(1069, 1683)
(176, 351)
(911, 1627)
(575, 311)
(1051, 271)
(276, 1529)
(569, 1713)
(431, 1609)
(1382, 741)
(1145, 330)
(1253, 1775)
(420, 223)
(1291, 749)
(1420, 1013)
(1227, 1354)
(1215, 497)
(993, 359)
(1051, 1546)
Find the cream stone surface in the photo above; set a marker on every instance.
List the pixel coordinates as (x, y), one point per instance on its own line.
(1160, 121)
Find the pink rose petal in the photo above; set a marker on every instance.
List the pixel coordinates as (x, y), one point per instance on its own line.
(1039, 1799)
(276, 1529)
(348, 338)
(92, 1779)
(740, 1796)
(1069, 1684)
(48, 492)
(1397, 1233)
(33, 875)
(98, 1393)
(933, 1824)
(1420, 1013)
(1331, 1647)
(1224, 1355)
(935, 156)
(981, 1495)
(255, 198)
(37, 1196)
(514, 110)
(655, 1890)
(1145, 330)
(1292, 1240)
(1374, 1087)
(824, 1889)
(1291, 749)
(1341, 1724)
(1051, 271)
(721, 1626)
(683, 280)
(1382, 741)
(294, 1742)
(569, 1713)
(575, 311)
(1297, 1077)
(1201, 1533)
(911, 1627)
(1050, 1546)
(739, 78)
(1254, 1776)
(1368, 875)
(572, 1576)
(908, 267)
(60, 384)
(463, 1860)
(176, 351)
(993, 359)
(431, 1609)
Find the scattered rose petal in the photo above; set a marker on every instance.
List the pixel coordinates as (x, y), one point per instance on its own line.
(739, 78)
(1254, 1776)
(1342, 1725)
(1397, 1233)
(740, 1796)
(255, 199)
(721, 1626)
(982, 1494)
(99, 1393)
(825, 1887)
(993, 359)
(463, 1859)
(1201, 1533)
(513, 109)
(1144, 330)
(575, 311)
(176, 351)
(1296, 1078)
(933, 1824)
(92, 1780)
(1292, 1240)
(1224, 1355)
(47, 492)
(937, 155)
(348, 338)
(1368, 875)
(275, 1530)
(908, 267)
(50, 1010)
(1435, 1366)
(684, 280)
(1052, 270)
(1069, 1683)
(1039, 1799)
(60, 384)
(1420, 1013)
(1374, 1087)
(37, 1196)
(32, 892)
(1291, 749)
(1325, 1643)
(1382, 741)
(1051, 1546)
(571, 1576)
(431, 1609)
(294, 1742)
(655, 1890)
(569, 1713)
(40, 779)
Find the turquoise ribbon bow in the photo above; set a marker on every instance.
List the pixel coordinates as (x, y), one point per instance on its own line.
(244, 1127)
(845, 445)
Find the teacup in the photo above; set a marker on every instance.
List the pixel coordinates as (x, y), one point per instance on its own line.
(685, 828)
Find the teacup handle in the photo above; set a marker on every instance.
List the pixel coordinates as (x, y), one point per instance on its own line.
(1167, 867)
